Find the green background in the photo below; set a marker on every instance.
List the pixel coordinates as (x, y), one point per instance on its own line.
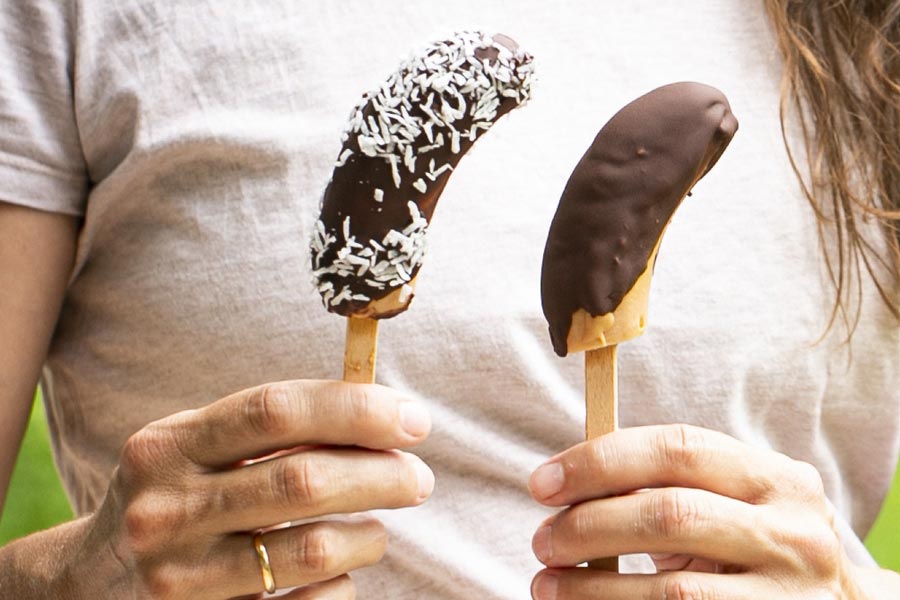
(36, 500)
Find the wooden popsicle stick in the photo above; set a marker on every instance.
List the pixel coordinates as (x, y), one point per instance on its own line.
(360, 350)
(601, 391)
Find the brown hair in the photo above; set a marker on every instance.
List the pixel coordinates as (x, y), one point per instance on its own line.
(842, 85)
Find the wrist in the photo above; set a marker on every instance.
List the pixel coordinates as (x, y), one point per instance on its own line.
(43, 565)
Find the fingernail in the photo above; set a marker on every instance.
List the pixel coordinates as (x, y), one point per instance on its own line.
(425, 478)
(414, 419)
(547, 480)
(545, 587)
(541, 544)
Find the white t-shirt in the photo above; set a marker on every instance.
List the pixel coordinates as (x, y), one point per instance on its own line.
(196, 138)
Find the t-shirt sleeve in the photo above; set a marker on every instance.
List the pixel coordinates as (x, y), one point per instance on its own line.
(41, 161)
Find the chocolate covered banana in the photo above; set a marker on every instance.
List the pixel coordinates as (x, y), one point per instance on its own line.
(603, 241)
(401, 145)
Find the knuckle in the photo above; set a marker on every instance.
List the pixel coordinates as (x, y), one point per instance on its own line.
(363, 406)
(682, 586)
(143, 453)
(269, 409)
(805, 543)
(139, 527)
(671, 513)
(681, 447)
(598, 456)
(761, 489)
(820, 551)
(159, 581)
(149, 520)
(807, 481)
(581, 527)
(299, 481)
(317, 551)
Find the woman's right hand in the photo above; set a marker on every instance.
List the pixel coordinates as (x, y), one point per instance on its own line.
(191, 489)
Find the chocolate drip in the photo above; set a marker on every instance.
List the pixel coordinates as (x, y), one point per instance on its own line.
(442, 108)
(621, 196)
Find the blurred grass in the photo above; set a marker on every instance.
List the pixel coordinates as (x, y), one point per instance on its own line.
(36, 499)
(884, 539)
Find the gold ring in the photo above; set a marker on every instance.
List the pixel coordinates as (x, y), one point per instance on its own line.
(264, 564)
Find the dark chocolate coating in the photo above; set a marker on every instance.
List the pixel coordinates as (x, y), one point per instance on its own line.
(621, 196)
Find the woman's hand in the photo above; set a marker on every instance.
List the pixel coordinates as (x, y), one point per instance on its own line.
(722, 520)
(183, 504)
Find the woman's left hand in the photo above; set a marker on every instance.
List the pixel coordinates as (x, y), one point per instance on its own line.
(721, 519)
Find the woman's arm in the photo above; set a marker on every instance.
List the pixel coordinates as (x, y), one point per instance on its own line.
(37, 250)
(179, 515)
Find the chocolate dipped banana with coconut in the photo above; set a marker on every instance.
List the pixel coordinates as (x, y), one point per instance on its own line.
(401, 145)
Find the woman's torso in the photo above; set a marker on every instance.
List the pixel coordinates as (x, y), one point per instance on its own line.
(210, 130)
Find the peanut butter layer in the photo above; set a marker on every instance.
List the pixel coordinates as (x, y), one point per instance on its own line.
(617, 203)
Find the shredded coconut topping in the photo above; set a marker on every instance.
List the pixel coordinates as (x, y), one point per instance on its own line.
(437, 99)
(389, 263)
